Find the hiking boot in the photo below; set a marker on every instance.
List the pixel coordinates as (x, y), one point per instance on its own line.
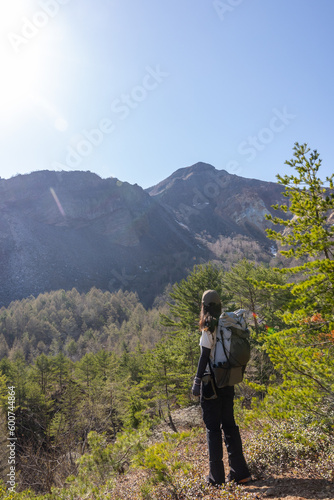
(245, 480)
(210, 482)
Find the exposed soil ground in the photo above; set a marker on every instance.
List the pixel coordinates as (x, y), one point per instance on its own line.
(292, 486)
(295, 485)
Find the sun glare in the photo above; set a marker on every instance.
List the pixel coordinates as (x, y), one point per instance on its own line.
(21, 57)
(19, 75)
(11, 11)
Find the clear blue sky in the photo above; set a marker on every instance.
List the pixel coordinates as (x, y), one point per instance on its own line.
(136, 89)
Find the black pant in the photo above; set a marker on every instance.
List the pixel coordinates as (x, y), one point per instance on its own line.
(218, 415)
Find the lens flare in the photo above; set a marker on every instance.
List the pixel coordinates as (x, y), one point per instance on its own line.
(55, 197)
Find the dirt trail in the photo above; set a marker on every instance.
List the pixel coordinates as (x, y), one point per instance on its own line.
(293, 486)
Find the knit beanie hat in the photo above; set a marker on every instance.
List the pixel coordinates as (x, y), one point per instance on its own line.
(212, 305)
(210, 297)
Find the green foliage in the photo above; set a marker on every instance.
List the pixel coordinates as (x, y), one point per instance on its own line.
(303, 351)
(100, 466)
(76, 324)
(24, 495)
(3, 391)
(175, 470)
(58, 404)
(292, 445)
(245, 283)
(163, 461)
(187, 295)
(162, 458)
(104, 460)
(307, 386)
(161, 381)
(309, 232)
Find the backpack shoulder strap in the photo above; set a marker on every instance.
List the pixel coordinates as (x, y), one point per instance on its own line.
(221, 336)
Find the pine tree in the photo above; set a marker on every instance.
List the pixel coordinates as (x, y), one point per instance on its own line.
(304, 350)
(245, 283)
(163, 380)
(186, 296)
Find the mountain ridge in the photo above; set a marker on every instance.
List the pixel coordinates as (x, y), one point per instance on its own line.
(219, 202)
(60, 230)
(74, 229)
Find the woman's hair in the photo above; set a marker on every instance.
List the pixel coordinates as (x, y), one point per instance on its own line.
(209, 315)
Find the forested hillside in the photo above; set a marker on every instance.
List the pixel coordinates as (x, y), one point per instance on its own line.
(88, 379)
(75, 324)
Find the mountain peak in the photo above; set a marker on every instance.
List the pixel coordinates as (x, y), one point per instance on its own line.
(218, 203)
(200, 166)
(200, 170)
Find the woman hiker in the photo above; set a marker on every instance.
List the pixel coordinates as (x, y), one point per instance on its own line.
(218, 413)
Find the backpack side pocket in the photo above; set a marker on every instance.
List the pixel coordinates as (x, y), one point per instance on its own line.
(208, 387)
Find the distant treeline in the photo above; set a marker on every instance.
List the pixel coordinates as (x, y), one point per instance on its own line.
(74, 323)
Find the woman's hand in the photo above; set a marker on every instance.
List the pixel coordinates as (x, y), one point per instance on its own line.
(196, 388)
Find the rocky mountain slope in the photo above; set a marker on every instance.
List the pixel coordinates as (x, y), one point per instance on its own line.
(60, 230)
(213, 202)
(73, 229)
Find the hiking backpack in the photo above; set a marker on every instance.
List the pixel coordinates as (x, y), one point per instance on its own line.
(232, 349)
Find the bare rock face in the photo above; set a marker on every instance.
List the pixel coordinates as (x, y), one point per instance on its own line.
(205, 199)
(60, 230)
(73, 229)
